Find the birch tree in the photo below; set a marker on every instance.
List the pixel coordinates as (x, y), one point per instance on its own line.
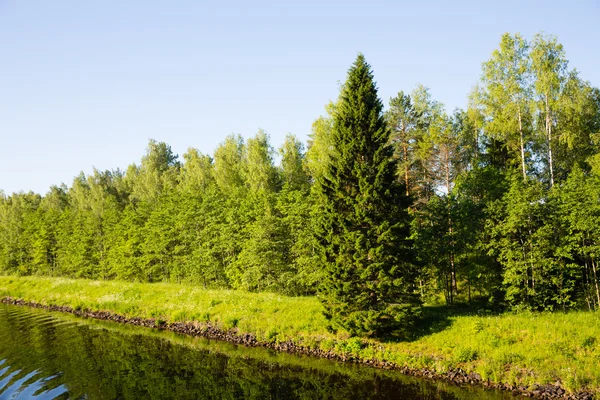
(549, 66)
(507, 95)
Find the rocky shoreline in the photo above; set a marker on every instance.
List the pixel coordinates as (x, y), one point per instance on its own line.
(455, 376)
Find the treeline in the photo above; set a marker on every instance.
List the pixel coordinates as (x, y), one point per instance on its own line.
(233, 220)
(504, 199)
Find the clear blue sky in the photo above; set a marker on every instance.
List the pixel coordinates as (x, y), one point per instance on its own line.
(85, 84)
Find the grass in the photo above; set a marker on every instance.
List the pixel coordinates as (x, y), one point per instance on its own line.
(521, 349)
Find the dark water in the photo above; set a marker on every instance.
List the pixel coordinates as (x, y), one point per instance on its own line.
(49, 355)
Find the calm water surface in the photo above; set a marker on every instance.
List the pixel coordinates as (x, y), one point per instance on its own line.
(47, 355)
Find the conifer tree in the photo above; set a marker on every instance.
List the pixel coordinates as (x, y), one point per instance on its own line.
(364, 225)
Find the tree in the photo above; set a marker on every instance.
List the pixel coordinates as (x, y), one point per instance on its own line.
(473, 122)
(228, 165)
(44, 246)
(319, 143)
(529, 241)
(577, 119)
(368, 285)
(198, 220)
(229, 179)
(252, 209)
(507, 95)
(196, 172)
(294, 205)
(431, 126)
(18, 222)
(579, 212)
(549, 66)
(401, 118)
(293, 170)
(157, 173)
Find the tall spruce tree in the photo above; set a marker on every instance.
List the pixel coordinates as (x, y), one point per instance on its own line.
(364, 225)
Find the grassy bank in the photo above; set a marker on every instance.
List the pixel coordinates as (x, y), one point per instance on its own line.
(520, 349)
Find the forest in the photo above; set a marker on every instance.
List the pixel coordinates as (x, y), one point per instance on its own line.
(497, 204)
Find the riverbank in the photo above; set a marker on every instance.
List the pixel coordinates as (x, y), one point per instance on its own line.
(98, 359)
(548, 355)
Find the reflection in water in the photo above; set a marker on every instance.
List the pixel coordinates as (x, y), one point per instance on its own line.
(47, 355)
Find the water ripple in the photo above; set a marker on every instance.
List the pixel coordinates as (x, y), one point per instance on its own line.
(14, 388)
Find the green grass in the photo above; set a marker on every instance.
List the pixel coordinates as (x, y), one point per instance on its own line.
(522, 349)
(269, 316)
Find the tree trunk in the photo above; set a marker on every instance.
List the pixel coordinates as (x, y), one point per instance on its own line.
(587, 286)
(596, 281)
(526, 294)
(469, 285)
(532, 269)
(405, 148)
(451, 291)
(448, 289)
(453, 286)
(476, 155)
(447, 170)
(405, 155)
(549, 138)
(522, 144)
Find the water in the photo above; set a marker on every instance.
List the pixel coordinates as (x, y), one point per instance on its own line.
(47, 355)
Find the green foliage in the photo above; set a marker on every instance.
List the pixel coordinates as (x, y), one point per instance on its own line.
(363, 226)
(157, 173)
(506, 98)
(464, 354)
(320, 143)
(402, 120)
(529, 240)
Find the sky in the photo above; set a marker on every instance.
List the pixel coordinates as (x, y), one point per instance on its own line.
(86, 84)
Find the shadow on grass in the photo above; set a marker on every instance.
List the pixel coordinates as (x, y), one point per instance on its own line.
(437, 318)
